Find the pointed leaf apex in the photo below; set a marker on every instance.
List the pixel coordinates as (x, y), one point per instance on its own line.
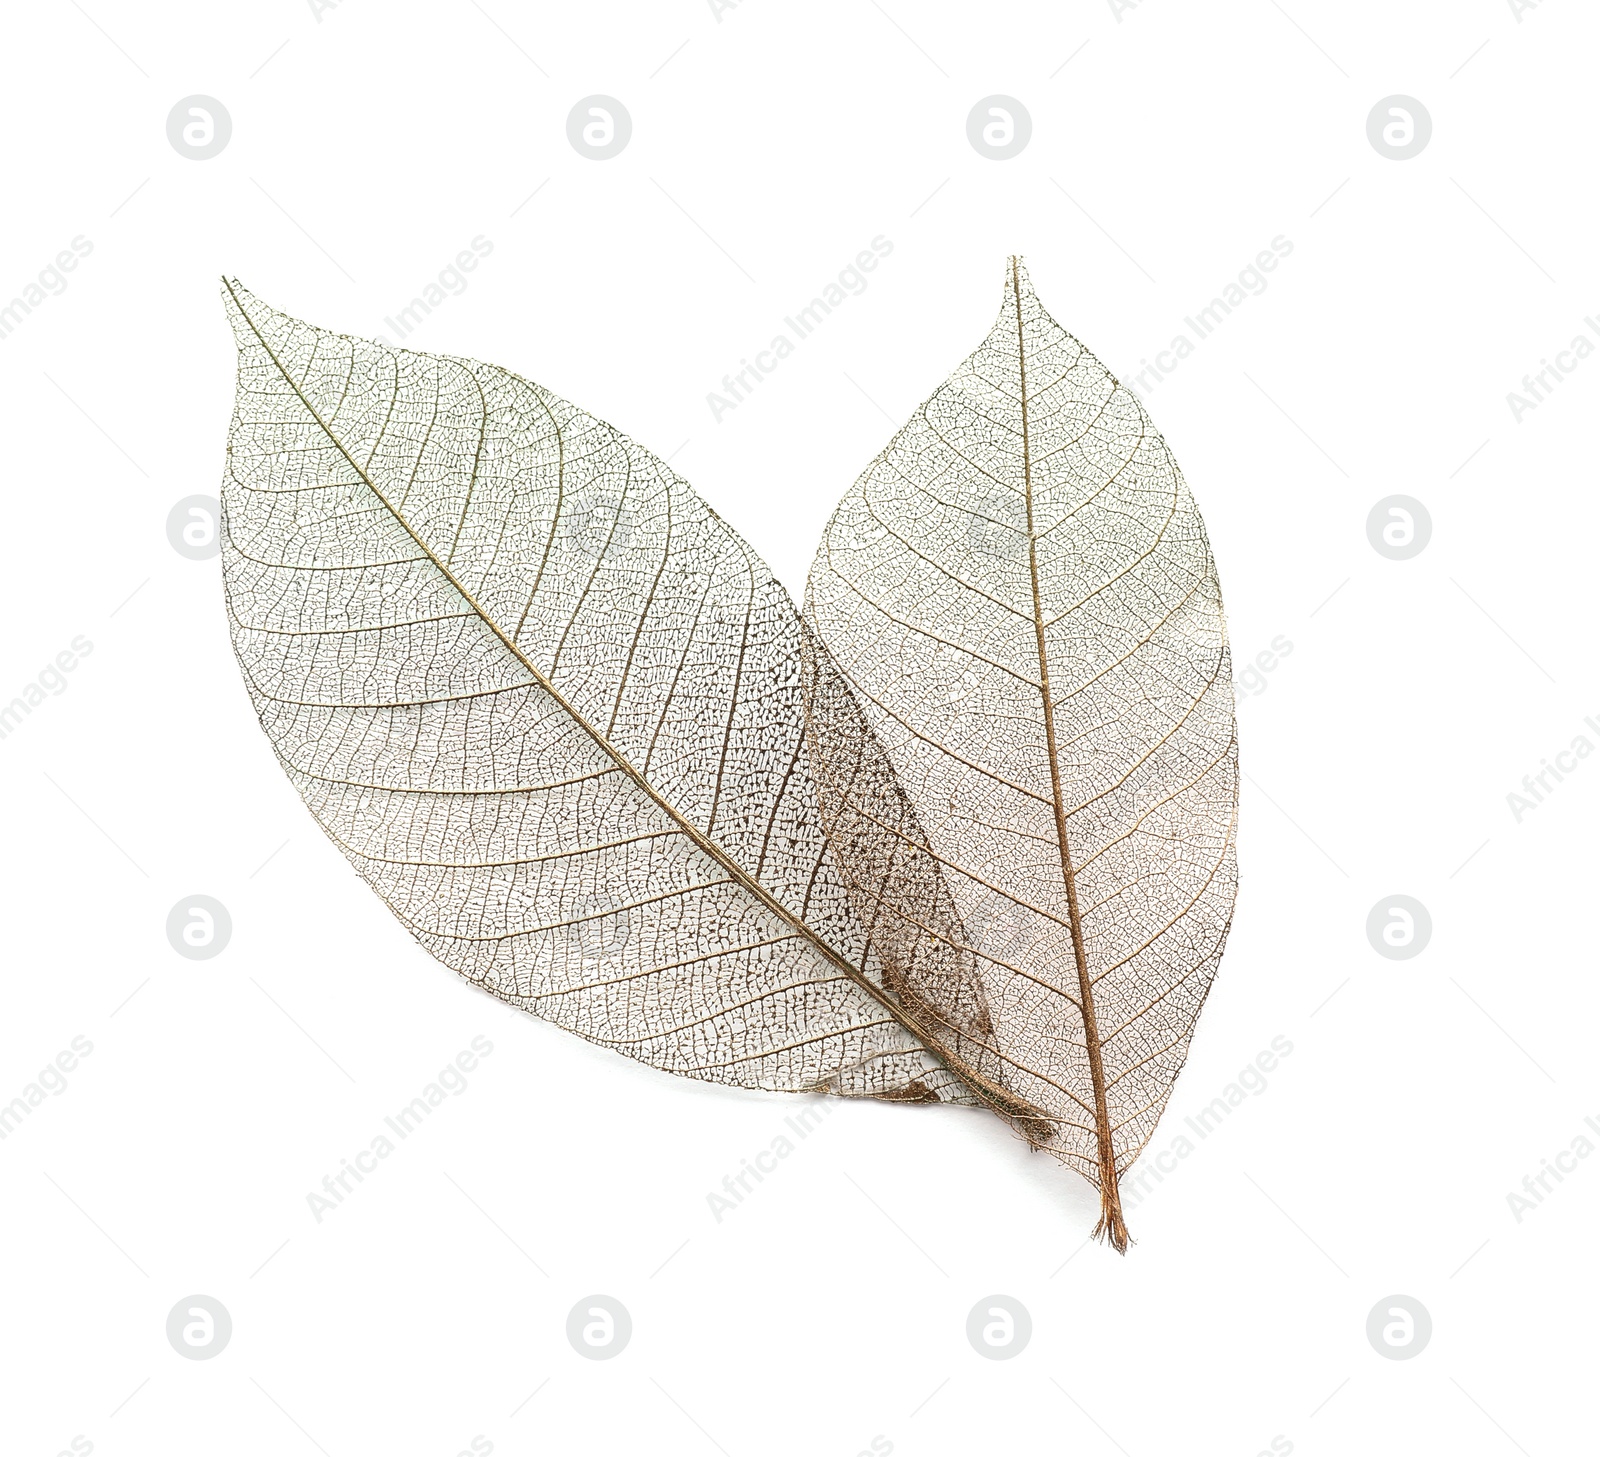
(231, 308)
(1018, 284)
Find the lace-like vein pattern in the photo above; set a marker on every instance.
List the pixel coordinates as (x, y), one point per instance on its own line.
(549, 706)
(1027, 543)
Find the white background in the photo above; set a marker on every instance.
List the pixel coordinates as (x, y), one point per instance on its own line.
(1169, 146)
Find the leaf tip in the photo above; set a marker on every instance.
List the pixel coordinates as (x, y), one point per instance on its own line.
(1017, 275)
(229, 289)
(237, 302)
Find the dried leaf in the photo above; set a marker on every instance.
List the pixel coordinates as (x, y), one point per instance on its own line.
(1035, 787)
(548, 704)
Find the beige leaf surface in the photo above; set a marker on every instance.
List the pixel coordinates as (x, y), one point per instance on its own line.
(549, 707)
(1022, 728)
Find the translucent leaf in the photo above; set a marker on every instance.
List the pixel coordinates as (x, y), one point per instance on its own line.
(549, 707)
(1034, 784)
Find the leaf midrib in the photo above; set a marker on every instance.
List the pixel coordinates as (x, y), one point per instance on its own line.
(1091, 1031)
